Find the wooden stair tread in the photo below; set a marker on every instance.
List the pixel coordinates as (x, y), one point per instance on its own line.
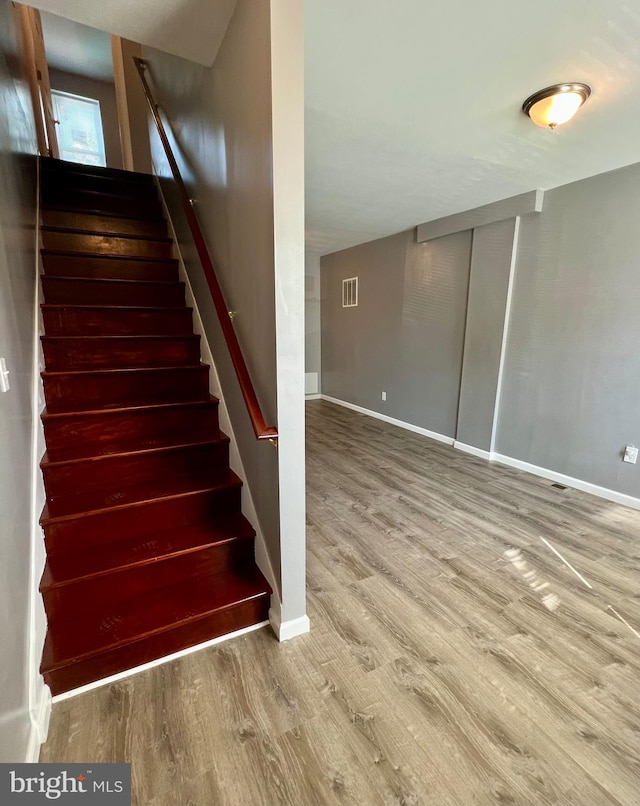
(125, 235)
(64, 568)
(99, 389)
(122, 337)
(82, 210)
(85, 180)
(106, 256)
(106, 281)
(114, 308)
(119, 370)
(88, 172)
(86, 320)
(114, 291)
(119, 350)
(102, 222)
(79, 320)
(52, 165)
(104, 201)
(147, 406)
(87, 632)
(148, 550)
(133, 466)
(46, 462)
(75, 506)
(204, 407)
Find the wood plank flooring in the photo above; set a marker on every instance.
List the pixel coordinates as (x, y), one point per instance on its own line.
(453, 659)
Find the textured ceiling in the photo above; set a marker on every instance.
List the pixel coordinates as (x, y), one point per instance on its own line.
(413, 106)
(192, 29)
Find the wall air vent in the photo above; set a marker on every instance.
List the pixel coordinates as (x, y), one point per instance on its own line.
(350, 292)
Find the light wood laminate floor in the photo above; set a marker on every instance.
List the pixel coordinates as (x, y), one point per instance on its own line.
(454, 658)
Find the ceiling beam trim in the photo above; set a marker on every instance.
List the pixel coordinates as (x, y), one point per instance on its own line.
(523, 204)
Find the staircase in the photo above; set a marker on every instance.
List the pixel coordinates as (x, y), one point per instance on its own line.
(147, 549)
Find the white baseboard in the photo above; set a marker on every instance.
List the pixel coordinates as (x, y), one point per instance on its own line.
(106, 681)
(552, 475)
(285, 630)
(569, 481)
(400, 423)
(39, 726)
(543, 472)
(39, 711)
(313, 397)
(461, 446)
(33, 748)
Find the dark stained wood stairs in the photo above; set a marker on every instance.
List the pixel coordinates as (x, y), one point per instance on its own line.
(148, 551)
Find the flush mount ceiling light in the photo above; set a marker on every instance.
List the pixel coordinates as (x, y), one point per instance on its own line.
(555, 105)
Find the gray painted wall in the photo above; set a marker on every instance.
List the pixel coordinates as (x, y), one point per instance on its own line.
(312, 315)
(406, 335)
(222, 121)
(103, 91)
(488, 286)
(570, 395)
(571, 389)
(17, 277)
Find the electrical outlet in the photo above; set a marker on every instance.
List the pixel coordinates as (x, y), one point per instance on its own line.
(630, 454)
(384, 395)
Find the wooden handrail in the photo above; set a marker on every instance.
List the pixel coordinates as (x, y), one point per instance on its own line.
(261, 429)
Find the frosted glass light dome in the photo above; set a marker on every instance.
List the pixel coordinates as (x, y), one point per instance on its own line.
(555, 105)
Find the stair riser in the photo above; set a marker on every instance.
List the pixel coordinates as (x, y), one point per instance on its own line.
(116, 322)
(70, 392)
(100, 528)
(108, 268)
(63, 168)
(78, 354)
(132, 507)
(60, 291)
(130, 430)
(152, 576)
(106, 473)
(78, 564)
(105, 244)
(158, 646)
(51, 181)
(97, 223)
(69, 197)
